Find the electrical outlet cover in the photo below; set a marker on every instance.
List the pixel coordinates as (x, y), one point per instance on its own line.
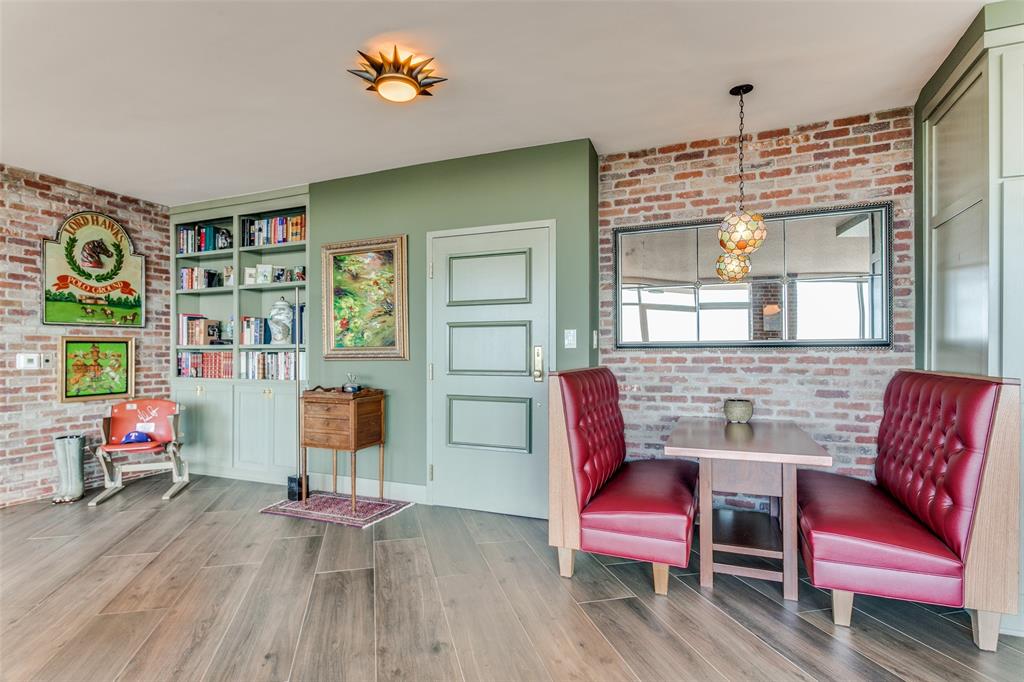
(569, 338)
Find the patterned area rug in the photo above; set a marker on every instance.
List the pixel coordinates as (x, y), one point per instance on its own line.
(337, 508)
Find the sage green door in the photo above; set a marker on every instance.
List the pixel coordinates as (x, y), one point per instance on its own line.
(489, 359)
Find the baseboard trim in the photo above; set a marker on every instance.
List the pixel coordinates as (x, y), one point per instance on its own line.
(394, 490)
(406, 492)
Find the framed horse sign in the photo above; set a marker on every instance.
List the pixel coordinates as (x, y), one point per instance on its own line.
(92, 275)
(96, 368)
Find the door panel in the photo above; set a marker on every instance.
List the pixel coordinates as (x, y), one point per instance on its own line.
(489, 316)
(489, 422)
(960, 306)
(254, 431)
(486, 278)
(489, 348)
(216, 415)
(285, 454)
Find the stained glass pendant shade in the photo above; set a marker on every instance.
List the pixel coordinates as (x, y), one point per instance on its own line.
(732, 267)
(742, 232)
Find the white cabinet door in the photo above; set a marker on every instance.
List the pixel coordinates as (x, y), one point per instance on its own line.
(285, 443)
(254, 428)
(1013, 111)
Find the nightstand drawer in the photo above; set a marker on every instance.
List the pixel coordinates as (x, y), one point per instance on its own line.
(332, 440)
(333, 424)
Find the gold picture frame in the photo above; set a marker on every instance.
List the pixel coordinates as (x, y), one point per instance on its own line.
(96, 368)
(364, 299)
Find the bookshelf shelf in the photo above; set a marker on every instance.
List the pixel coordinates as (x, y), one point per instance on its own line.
(272, 347)
(208, 347)
(286, 247)
(202, 255)
(205, 291)
(275, 215)
(273, 286)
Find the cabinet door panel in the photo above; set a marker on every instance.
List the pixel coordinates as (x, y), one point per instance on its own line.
(285, 429)
(254, 427)
(216, 429)
(1013, 111)
(189, 421)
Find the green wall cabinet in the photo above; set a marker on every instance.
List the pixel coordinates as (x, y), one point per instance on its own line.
(205, 422)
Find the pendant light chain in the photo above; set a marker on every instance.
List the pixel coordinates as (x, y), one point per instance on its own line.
(739, 143)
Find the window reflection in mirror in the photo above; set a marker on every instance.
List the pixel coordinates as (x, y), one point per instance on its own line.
(819, 279)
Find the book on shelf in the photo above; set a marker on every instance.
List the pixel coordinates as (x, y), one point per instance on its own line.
(199, 238)
(256, 330)
(196, 330)
(205, 364)
(271, 365)
(203, 278)
(276, 230)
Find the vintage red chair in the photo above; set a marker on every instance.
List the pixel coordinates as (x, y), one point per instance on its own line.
(155, 417)
(598, 502)
(941, 524)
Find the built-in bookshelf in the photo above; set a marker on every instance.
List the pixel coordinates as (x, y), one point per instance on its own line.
(232, 261)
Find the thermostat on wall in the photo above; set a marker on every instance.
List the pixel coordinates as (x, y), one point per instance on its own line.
(27, 361)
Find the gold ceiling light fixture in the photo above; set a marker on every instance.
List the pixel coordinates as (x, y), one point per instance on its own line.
(741, 233)
(397, 79)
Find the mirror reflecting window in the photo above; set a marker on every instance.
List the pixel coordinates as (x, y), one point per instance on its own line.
(821, 278)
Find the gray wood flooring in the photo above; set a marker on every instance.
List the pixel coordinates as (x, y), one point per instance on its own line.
(203, 587)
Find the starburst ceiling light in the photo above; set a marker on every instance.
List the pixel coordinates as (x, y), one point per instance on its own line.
(397, 79)
(741, 233)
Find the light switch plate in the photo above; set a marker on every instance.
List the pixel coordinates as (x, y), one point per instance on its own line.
(595, 339)
(27, 361)
(569, 338)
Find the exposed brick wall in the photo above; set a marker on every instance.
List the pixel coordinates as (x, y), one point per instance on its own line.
(836, 394)
(32, 208)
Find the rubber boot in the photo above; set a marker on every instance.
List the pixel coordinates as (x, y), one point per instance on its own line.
(59, 454)
(74, 447)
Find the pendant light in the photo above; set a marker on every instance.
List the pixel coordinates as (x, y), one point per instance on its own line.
(741, 233)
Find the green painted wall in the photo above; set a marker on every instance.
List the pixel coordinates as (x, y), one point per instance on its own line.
(556, 181)
(991, 17)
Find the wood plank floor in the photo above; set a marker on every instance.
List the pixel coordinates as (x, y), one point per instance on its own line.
(203, 587)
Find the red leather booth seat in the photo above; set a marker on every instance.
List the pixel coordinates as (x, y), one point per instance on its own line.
(906, 536)
(641, 510)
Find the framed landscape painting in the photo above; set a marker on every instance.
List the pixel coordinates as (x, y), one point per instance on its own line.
(96, 368)
(364, 299)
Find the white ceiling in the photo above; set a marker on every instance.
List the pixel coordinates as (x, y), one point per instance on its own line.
(185, 101)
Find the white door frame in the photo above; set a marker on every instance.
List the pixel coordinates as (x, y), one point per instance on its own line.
(550, 225)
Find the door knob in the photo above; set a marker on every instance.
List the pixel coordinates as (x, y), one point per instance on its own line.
(538, 363)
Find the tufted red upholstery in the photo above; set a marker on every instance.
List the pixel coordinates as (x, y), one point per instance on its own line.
(885, 551)
(644, 512)
(931, 449)
(596, 431)
(907, 536)
(639, 510)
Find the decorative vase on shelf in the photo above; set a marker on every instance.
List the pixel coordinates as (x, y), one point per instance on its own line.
(738, 411)
(280, 320)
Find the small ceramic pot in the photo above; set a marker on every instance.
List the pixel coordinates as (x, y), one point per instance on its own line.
(738, 411)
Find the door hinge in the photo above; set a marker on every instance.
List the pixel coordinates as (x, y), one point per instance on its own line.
(430, 473)
(430, 371)
(430, 270)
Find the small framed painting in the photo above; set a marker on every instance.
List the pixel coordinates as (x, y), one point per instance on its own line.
(96, 368)
(364, 299)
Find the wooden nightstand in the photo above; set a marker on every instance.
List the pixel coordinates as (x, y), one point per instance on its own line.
(342, 421)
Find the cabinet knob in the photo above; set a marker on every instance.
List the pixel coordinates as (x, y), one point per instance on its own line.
(199, 390)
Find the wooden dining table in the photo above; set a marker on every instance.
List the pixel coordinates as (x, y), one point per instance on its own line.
(759, 458)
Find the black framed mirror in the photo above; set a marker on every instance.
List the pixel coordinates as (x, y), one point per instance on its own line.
(823, 277)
